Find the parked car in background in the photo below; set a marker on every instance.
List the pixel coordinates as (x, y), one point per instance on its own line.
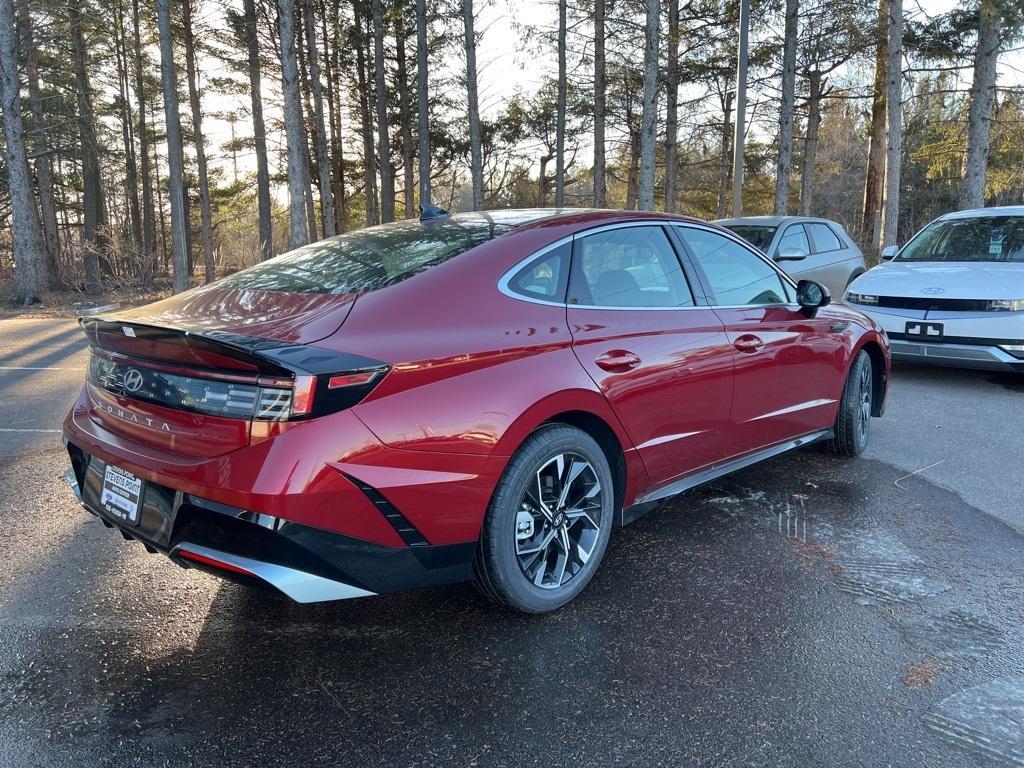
(806, 248)
(953, 295)
(476, 396)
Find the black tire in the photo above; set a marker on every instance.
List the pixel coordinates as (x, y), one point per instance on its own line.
(503, 555)
(852, 423)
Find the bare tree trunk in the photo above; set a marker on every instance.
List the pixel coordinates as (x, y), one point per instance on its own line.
(423, 101)
(131, 168)
(476, 162)
(333, 67)
(600, 174)
(44, 172)
(874, 178)
(649, 114)
(322, 162)
(785, 164)
(308, 124)
(175, 153)
(894, 120)
(205, 215)
(725, 157)
(979, 123)
(810, 143)
(542, 182)
(29, 248)
(739, 140)
(148, 212)
(672, 108)
(259, 131)
(560, 110)
(94, 236)
(405, 118)
(387, 181)
(293, 125)
(633, 174)
(369, 157)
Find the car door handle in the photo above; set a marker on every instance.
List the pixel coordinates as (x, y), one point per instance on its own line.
(618, 360)
(748, 343)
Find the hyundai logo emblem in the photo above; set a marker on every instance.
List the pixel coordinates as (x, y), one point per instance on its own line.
(132, 380)
(933, 291)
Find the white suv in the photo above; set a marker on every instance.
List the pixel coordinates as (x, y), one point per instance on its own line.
(953, 295)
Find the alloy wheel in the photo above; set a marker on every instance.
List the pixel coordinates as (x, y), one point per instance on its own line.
(864, 392)
(559, 521)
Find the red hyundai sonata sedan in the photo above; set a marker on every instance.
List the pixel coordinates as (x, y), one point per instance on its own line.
(475, 396)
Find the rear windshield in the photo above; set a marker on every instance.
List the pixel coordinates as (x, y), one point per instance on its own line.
(758, 236)
(368, 259)
(982, 238)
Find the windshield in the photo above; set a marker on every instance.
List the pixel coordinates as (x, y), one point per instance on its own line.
(759, 236)
(368, 259)
(979, 238)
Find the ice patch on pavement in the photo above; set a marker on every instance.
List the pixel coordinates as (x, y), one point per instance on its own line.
(878, 569)
(955, 634)
(985, 720)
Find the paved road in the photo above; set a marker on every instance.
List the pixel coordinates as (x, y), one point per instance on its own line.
(805, 612)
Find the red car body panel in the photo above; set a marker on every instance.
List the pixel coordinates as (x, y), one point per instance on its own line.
(472, 371)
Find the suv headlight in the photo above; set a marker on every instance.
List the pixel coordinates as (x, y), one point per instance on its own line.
(862, 298)
(1005, 305)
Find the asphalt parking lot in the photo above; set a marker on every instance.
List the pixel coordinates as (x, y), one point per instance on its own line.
(805, 612)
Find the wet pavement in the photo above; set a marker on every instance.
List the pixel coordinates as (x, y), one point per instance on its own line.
(806, 612)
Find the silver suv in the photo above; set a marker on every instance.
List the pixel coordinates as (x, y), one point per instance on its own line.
(806, 248)
(953, 295)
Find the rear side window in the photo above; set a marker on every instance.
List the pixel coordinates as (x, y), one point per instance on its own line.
(628, 267)
(736, 275)
(368, 259)
(825, 239)
(759, 236)
(546, 276)
(795, 238)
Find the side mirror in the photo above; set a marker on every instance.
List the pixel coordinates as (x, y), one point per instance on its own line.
(812, 296)
(889, 252)
(791, 253)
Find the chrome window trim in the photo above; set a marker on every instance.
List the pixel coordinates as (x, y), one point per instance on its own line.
(506, 278)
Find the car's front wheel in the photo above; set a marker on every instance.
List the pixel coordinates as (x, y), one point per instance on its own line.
(548, 524)
(851, 427)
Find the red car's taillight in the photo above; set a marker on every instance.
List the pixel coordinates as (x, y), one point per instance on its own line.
(231, 395)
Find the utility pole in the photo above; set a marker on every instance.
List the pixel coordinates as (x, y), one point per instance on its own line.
(741, 111)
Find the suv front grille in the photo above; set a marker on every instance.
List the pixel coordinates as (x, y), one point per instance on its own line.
(933, 304)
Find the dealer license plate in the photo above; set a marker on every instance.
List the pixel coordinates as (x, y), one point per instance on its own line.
(121, 495)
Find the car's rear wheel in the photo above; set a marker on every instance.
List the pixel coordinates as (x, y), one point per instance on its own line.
(854, 419)
(548, 524)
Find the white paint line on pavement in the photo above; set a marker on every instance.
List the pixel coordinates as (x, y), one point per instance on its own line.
(41, 368)
(3, 429)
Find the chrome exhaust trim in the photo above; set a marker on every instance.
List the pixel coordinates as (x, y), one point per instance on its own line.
(300, 586)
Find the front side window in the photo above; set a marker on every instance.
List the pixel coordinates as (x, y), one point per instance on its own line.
(825, 239)
(795, 238)
(628, 267)
(981, 238)
(368, 259)
(736, 275)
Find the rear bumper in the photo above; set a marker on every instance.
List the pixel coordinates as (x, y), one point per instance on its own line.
(305, 563)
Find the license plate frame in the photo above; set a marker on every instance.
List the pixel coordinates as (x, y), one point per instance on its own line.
(918, 329)
(121, 494)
